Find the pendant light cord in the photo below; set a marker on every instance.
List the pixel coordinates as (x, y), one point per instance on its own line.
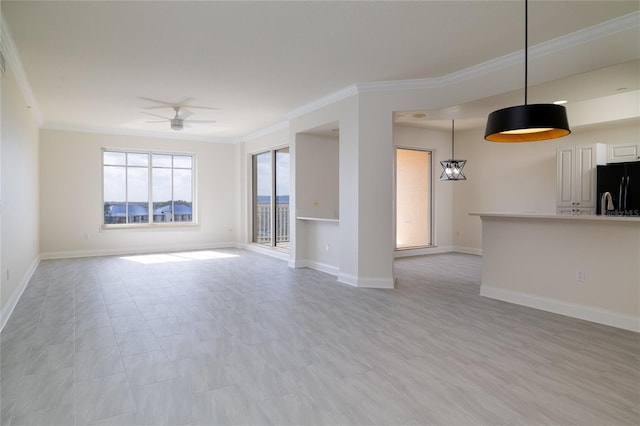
(526, 48)
(452, 141)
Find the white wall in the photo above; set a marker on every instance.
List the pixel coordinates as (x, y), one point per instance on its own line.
(71, 212)
(19, 180)
(518, 178)
(317, 181)
(534, 262)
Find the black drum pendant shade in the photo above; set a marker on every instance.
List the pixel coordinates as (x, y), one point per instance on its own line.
(527, 123)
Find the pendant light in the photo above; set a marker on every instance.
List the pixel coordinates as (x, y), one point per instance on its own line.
(527, 123)
(452, 169)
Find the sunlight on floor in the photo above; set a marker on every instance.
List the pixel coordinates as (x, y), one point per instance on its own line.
(188, 256)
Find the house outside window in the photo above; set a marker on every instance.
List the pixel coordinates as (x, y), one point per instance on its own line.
(147, 188)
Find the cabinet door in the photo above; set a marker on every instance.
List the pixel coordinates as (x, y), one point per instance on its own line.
(575, 211)
(585, 212)
(566, 211)
(585, 184)
(566, 181)
(623, 152)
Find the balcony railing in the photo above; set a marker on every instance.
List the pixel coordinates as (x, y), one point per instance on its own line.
(264, 221)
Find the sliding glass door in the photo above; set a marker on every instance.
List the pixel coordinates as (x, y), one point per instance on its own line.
(271, 198)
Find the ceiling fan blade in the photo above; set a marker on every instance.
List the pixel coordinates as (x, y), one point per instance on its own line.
(159, 107)
(201, 121)
(185, 114)
(156, 101)
(155, 121)
(201, 107)
(156, 115)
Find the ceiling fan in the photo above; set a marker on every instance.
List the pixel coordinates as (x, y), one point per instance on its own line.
(180, 116)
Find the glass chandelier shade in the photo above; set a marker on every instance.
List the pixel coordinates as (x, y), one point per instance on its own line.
(452, 169)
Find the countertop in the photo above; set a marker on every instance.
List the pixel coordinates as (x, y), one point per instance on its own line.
(598, 218)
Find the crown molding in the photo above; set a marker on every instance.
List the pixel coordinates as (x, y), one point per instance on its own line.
(586, 35)
(324, 101)
(267, 131)
(134, 132)
(8, 46)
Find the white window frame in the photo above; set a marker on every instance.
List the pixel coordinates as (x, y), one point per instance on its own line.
(151, 223)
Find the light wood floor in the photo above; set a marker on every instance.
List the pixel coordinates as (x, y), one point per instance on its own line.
(233, 337)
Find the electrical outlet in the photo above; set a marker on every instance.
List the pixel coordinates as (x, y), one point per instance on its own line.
(580, 275)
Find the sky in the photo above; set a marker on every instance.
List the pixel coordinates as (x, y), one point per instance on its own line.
(264, 173)
(138, 178)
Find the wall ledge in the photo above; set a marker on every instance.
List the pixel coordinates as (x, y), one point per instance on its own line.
(583, 312)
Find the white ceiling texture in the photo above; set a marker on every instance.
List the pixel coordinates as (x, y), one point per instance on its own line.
(98, 65)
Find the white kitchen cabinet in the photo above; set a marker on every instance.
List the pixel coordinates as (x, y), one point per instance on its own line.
(573, 211)
(576, 178)
(620, 153)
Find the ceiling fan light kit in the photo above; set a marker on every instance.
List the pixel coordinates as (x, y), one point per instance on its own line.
(177, 124)
(527, 123)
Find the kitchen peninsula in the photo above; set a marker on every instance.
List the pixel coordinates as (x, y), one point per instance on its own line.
(586, 266)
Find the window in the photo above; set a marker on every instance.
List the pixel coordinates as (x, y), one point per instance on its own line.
(146, 188)
(271, 198)
(413, 198)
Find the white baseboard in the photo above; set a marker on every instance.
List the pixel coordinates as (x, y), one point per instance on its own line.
(318, 266)
(131, 251)
(8, 308)
(436, 250)
(588, 313)
(422, 251)
(468, 250)
(354, 281)
(351, 280)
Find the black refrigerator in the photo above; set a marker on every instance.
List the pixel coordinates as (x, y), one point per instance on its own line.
(622, 181)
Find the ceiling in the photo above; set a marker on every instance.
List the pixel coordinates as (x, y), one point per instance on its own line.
(99, 65)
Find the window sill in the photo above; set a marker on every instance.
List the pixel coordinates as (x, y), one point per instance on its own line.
(149, 226)
(318, 219)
